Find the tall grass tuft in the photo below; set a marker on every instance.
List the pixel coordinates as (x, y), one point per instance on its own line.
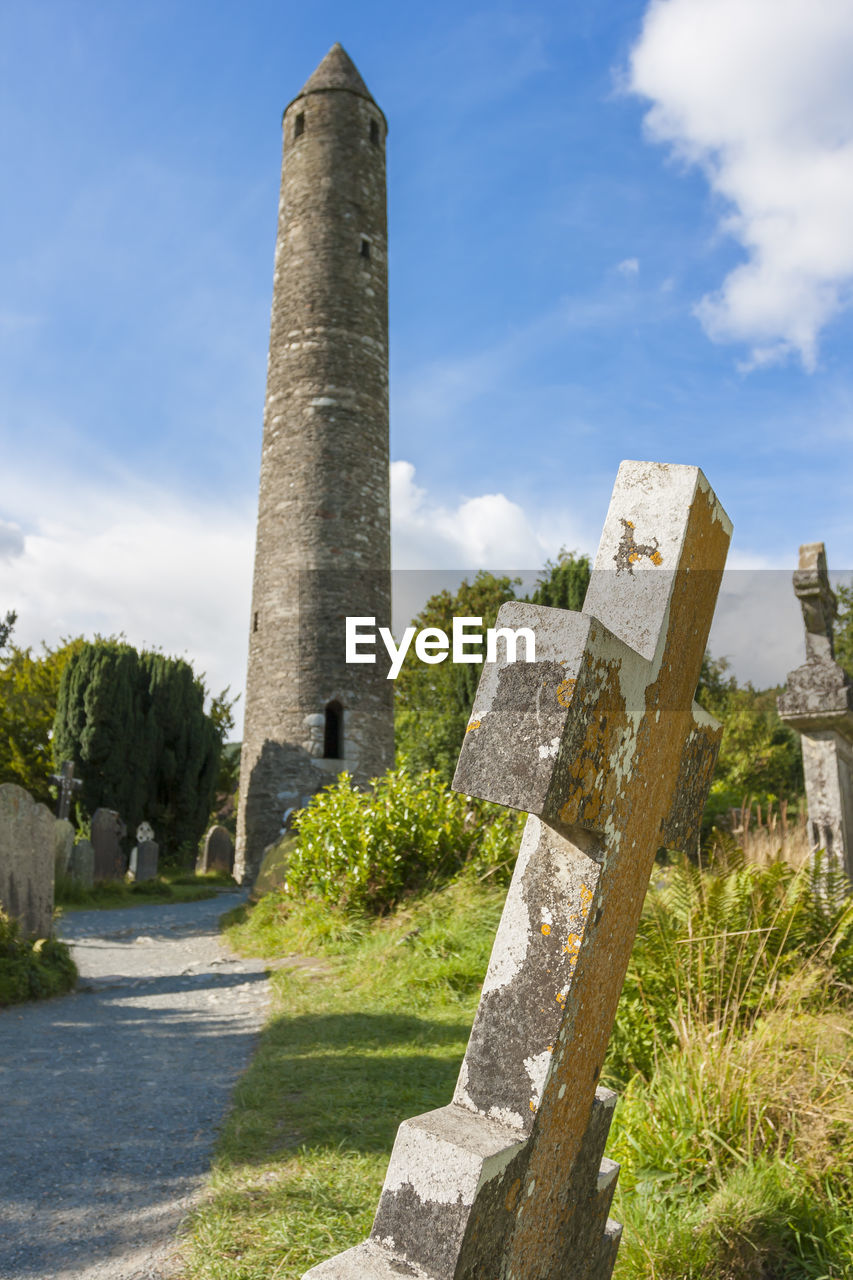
(735, 1129)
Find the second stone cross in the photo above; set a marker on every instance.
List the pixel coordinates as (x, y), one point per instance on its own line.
(600, 742)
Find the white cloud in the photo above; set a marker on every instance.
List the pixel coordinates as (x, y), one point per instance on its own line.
(161, 569)
(629, 267)
(489, 531)
(174, 572)
(759, 93)
(11, 541)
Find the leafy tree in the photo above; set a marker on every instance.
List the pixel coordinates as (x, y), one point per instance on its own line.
(564, 584)
(6, 628)
(844, 628)
(134, 724)
(759, 755)
(433, 703)
(29, 687)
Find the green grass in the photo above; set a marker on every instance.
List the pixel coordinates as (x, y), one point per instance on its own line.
(31, 969)
(170, 886)
(734, 1138)
(374, 1033)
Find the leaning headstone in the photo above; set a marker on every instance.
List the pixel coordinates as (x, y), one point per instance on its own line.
(218, 854)
(143, 860)
(82, 868)
(63, 843)
(26, 860)
(818, 703)
(600, 741)
(107, 832)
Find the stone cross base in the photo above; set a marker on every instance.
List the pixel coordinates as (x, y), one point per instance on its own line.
(461, 1174)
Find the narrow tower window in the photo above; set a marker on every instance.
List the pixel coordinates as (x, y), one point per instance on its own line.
(365, 248)
(255, 623)
(374, 132)
(299, 125)
(333, 736)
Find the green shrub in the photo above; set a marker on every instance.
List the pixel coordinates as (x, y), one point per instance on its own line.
(31, 969)
(369, 849)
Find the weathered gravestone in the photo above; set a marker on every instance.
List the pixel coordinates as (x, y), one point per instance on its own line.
(26, 860)
(63, 843)
(107, 832)
(218, 854)
(818, 703)
(82, 866)
(143, 860)
(600, 741)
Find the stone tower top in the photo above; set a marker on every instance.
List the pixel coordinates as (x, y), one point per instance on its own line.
(336, 71)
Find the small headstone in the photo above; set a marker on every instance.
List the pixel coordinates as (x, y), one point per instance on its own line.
(818, 703)
(26, 860)
(107, 832)
(143, 859)
(82, 866)
(218, 852)
(63, 843)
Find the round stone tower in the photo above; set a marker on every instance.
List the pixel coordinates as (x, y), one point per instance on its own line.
(323, 537)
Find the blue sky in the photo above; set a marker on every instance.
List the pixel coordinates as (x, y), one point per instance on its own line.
(618, 229)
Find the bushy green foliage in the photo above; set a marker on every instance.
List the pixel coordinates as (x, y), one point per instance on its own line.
(563, 584)
(29, 686)
(433, 702)
(7, 626)
(134, 724)
(844, 628)
(760, 757)
(720, 942)
(369, 849)
(31, 969)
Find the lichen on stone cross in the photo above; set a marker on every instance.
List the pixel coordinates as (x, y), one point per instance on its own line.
(817, 599)
(600, 742)
(818, 703)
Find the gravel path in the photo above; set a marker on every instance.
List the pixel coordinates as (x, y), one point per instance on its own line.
(110, 1097)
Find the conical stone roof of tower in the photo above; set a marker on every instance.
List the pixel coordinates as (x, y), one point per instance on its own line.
(336, 71)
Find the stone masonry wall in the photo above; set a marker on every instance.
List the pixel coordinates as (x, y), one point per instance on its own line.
(323, 538)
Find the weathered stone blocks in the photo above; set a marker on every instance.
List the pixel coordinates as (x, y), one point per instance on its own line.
(323, 534)
(27, 832)
(592, 740)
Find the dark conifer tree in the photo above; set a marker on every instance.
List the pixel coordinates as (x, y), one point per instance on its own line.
(134, 724)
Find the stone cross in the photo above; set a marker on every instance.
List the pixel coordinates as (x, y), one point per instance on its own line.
(66, 784)
(818, 703)
(599, 740)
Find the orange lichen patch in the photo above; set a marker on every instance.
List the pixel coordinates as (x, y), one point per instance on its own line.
(561, 999)
(475, 724)
(656, 557)
(565, 691)
(546, 929)
(532, 1104)
(512, 1195)
(572, 943)
(586, 898)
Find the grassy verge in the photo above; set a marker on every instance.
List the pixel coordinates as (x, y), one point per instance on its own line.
(168, 887)
(734, 1129)
(374, 1034)
(31, 969)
